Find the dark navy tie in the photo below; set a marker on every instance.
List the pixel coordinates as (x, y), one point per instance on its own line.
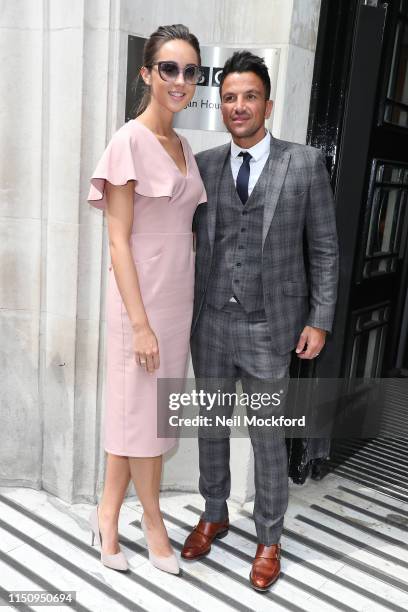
(243, 176)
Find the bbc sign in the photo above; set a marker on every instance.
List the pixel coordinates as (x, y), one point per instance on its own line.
(203, 112)
(211, 76)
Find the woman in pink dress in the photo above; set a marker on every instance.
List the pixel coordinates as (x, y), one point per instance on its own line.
(148, 183)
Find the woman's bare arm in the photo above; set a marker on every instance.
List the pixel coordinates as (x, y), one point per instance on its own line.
(120, 221)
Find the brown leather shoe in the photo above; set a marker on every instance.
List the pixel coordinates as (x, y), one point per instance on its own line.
(265, 567)
(198, 543)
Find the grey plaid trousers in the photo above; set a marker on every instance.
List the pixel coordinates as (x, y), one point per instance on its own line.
(227, 345)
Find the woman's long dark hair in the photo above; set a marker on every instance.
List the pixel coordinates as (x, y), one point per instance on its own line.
(152, 45)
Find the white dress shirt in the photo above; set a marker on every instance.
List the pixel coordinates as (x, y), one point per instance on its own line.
(259, 153)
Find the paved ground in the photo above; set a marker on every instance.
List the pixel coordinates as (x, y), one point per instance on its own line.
(345, 547)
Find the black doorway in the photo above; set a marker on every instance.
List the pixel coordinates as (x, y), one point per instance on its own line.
(359, 117)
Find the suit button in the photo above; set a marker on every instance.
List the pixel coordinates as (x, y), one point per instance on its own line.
(238, 265)
(244, 212)
(243, 229)
(240, 246)
(236, 281)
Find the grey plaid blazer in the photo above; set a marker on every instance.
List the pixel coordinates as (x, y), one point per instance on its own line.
(298, 203)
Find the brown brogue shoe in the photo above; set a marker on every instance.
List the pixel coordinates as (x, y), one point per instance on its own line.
(198, 543)
(265, 567)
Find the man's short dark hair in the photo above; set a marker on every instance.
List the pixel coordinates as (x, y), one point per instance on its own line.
(245, 61)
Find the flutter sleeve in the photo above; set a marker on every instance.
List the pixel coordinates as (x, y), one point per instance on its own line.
(116, 165)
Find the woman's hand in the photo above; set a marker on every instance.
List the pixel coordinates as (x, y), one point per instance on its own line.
(146, 347)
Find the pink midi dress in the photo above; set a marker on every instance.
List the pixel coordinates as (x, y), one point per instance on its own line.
(162, 247)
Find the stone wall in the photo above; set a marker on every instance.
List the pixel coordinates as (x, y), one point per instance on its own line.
(63, 67)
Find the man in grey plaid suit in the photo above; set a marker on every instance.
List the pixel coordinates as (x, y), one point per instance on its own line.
(254, 302)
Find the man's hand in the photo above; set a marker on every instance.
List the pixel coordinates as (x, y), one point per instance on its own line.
(315, 339)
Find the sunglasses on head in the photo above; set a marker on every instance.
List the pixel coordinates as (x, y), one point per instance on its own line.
(169, 71)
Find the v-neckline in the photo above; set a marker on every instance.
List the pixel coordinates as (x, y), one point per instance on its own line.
(167, 153)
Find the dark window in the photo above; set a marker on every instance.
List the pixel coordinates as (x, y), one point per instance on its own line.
(385, 228)
(396, 103)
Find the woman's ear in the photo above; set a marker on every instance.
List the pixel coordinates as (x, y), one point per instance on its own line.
(145, 74)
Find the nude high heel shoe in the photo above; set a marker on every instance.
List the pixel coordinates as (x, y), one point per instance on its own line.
(166, 564)
(117, 561)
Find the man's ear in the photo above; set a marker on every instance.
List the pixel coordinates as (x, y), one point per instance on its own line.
(268, 109)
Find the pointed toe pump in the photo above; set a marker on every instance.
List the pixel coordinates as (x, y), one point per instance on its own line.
(166, 564)
(117, 561)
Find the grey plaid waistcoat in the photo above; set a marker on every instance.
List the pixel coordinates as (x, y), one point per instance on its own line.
(237, 258)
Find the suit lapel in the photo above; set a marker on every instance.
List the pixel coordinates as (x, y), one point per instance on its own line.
(212, 203)
(277, 165)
